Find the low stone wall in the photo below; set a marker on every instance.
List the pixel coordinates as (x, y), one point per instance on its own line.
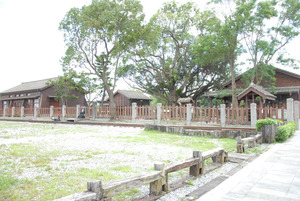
(224, 133)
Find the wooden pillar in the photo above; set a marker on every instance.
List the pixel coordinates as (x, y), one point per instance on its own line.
(197, 169)
(159, 185)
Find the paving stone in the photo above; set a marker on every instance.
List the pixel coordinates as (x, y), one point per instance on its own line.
(274, 176)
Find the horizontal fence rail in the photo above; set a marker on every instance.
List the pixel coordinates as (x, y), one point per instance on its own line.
(157, 179)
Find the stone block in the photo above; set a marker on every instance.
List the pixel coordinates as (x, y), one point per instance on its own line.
(268, 133)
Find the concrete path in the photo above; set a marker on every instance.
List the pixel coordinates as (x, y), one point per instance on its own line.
(274, 176)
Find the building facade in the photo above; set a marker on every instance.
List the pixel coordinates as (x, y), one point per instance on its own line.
(287, 85)
(36, 94)
(127, 97)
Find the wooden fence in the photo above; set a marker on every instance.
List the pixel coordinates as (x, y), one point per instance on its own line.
(178, 113)
(158, 179)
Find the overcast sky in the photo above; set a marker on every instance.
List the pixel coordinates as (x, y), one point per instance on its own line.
(30, 43)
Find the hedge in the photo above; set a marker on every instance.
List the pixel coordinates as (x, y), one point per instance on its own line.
(285, 131)
(266, 121)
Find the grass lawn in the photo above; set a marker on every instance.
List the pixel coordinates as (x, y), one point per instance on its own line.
(49, 161)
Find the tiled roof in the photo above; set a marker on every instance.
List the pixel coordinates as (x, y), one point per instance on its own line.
(257, 89)
(29, 86)
(133, 94)
(185, 100)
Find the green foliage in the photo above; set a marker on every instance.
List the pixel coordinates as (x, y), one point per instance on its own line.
(285, 131)
(266, 121)
(64, 88)
(97, 37)
(180, 54)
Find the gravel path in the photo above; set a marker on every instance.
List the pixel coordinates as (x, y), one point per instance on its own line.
(70, 148)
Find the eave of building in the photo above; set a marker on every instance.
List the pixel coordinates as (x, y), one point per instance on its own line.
(276, 70)
(19, 98)
(278, 90)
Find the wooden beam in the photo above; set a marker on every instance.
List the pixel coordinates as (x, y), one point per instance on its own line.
(181, 165)
(212, 153)
(113, 188)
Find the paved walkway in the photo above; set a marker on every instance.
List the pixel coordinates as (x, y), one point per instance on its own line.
(274, 176)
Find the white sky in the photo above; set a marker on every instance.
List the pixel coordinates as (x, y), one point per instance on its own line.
(31, 44)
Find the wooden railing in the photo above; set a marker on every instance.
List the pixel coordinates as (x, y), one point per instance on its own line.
(178, 113)
(252, 142)
(158, 179)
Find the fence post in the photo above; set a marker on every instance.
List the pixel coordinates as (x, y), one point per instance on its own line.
(297, 113)
(51, 111)
(12, 111)
(77, 111)
(159, 185)
(188, 114)
(223, 115)
(94, 110)
(95, 186)
(239, 145)
(159, 113)
(63, 111)
(35, 112)
(133, 112)
(289, 108)
(253, 114)
(197, 169)
(4, 111)
(22, 111)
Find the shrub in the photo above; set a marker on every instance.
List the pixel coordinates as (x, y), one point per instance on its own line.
(266, 121)
(285, 131)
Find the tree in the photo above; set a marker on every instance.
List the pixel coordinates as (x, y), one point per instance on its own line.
(63, 88)
(269, 28)
(98, 36)
(234, 17)
(90, 86)
(173, 61)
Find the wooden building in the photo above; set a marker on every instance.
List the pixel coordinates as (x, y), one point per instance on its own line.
(287, 85)
(127, 97)
(36, 94)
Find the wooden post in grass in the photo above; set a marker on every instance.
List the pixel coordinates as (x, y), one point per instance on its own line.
(156, 187)
(95, 186)
(197, 169)
(239, 145)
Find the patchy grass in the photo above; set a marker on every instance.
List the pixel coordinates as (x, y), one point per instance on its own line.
(49, 161)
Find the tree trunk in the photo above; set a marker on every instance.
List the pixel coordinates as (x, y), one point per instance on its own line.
(112, 104)
(233, 87)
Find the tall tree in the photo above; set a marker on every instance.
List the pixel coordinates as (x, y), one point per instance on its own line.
(234, 16)
(269, 28)
(97, 37)
(172, 60)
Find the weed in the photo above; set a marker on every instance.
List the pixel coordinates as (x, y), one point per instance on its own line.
(122, 168)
